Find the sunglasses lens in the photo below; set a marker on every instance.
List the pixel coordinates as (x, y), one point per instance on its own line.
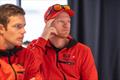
(57, 7)
(66, 7)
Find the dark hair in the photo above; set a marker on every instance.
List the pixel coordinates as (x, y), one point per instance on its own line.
(8, 10)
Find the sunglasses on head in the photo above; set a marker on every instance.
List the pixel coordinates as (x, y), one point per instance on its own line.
(57, 7)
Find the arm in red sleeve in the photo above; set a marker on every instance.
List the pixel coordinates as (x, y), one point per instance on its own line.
(89, 71)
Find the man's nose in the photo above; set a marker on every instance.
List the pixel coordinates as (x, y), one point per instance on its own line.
(23, 31)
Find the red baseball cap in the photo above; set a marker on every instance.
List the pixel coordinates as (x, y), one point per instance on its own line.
(54, 10)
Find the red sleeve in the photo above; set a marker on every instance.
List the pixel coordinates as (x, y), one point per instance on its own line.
(89, 71)
(38, 47)
(40, 42)
(32, 65)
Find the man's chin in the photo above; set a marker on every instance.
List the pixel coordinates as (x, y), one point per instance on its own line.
(19, 43)
(62, 36)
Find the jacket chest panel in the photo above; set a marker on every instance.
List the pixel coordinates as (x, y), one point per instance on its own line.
(64, 61)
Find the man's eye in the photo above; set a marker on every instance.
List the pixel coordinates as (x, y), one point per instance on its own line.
(18, 26)
(61, 21)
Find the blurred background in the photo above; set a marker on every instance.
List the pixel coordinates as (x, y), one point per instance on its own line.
(96, 23)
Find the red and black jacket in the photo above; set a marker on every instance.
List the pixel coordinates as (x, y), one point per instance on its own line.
(73, 62)
(18, 64)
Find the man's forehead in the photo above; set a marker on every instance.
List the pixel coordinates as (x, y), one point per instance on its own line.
(62, 14)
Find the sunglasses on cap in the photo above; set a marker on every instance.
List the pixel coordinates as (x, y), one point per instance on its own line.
(57, 7)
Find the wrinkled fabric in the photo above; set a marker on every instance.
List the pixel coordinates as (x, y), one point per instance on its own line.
(21, 65)
(73, 62)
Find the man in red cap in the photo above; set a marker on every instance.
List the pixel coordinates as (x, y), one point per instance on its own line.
(63, 57)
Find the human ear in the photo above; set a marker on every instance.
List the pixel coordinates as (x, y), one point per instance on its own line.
(2, 29)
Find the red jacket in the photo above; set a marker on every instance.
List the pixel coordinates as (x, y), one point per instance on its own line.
(18, 64)
(74, 62)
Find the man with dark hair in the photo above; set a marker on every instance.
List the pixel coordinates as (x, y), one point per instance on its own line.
(63, 57)
(16, 62)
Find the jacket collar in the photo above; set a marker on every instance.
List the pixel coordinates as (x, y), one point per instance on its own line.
(10, 52)
(71, 43)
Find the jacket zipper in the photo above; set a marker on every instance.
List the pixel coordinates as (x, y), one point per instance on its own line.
(57, 61)
(12, 66)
